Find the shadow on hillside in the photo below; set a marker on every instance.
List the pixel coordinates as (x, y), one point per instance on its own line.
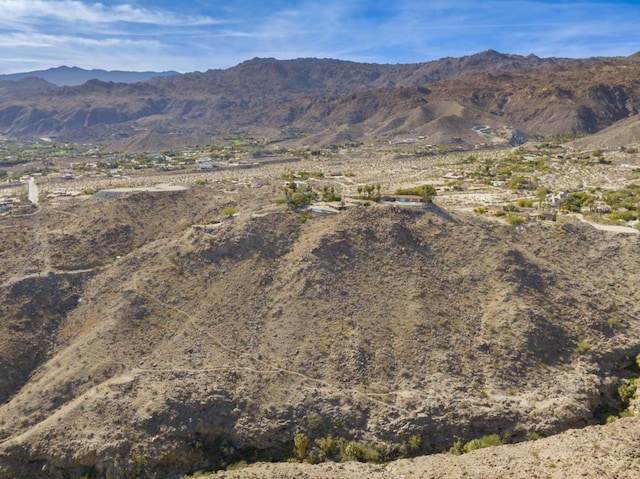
(441, 213)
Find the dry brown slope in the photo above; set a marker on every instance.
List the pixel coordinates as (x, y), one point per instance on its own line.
(199, 347)
(623, 133)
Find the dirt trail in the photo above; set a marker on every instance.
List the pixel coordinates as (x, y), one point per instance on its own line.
(272, 367)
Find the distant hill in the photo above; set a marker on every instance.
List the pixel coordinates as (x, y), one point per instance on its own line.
(24, 88)
(332, 101)
(71, 76)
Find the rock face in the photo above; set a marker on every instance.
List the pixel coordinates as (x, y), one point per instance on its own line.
(175, 349)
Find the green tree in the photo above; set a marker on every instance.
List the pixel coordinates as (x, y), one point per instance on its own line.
(301, 198)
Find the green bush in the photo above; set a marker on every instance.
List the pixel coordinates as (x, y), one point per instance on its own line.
(355, 451)
(229, 211)
(329, 448)
(524, 202)
(413, 445)
(301, 198)
(352, 452)
(329, 194)
(583, 346)
(627, 391)
(237, 466)
(456, 448)
(300, 445)
(426, 191)
(485, 441)
(515, 220)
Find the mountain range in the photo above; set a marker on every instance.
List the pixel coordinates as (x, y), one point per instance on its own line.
(332, 101)
(72, 76)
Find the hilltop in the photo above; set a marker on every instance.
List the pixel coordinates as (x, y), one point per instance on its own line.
(73, 76)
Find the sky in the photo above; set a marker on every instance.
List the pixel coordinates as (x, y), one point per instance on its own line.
(197, 35)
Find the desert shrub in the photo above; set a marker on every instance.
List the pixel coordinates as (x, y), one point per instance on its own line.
(329, 194)
(577, 200)
(485, 441)
(623, 215)
(583, 346)
(480, 210)
(229, 211)
(372, 191)
(533, 436)
(413, 445)
(352, 452)
(627, 391)
(524, 202)
(301, 198)
(300, 445)
(519, 182)
(515, 220)
(329, 448)
(355, 451)
(369, 453)
(315, 421)
(237, 466)
(456, 448)
(426, 191)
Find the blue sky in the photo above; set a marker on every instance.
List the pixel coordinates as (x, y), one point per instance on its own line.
(198, 35)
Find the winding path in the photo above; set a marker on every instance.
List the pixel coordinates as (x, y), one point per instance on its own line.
(268, 367)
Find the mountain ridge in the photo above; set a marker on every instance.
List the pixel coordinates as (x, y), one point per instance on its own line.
(366, 102)
(73, 76)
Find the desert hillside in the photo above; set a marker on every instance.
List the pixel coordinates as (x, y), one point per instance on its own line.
(157, 334)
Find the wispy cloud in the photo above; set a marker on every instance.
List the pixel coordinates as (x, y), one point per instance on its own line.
(73, 11)
(56, 41)
(201, 34)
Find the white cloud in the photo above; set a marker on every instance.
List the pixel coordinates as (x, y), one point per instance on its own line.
(56, 41)
(72, 11)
